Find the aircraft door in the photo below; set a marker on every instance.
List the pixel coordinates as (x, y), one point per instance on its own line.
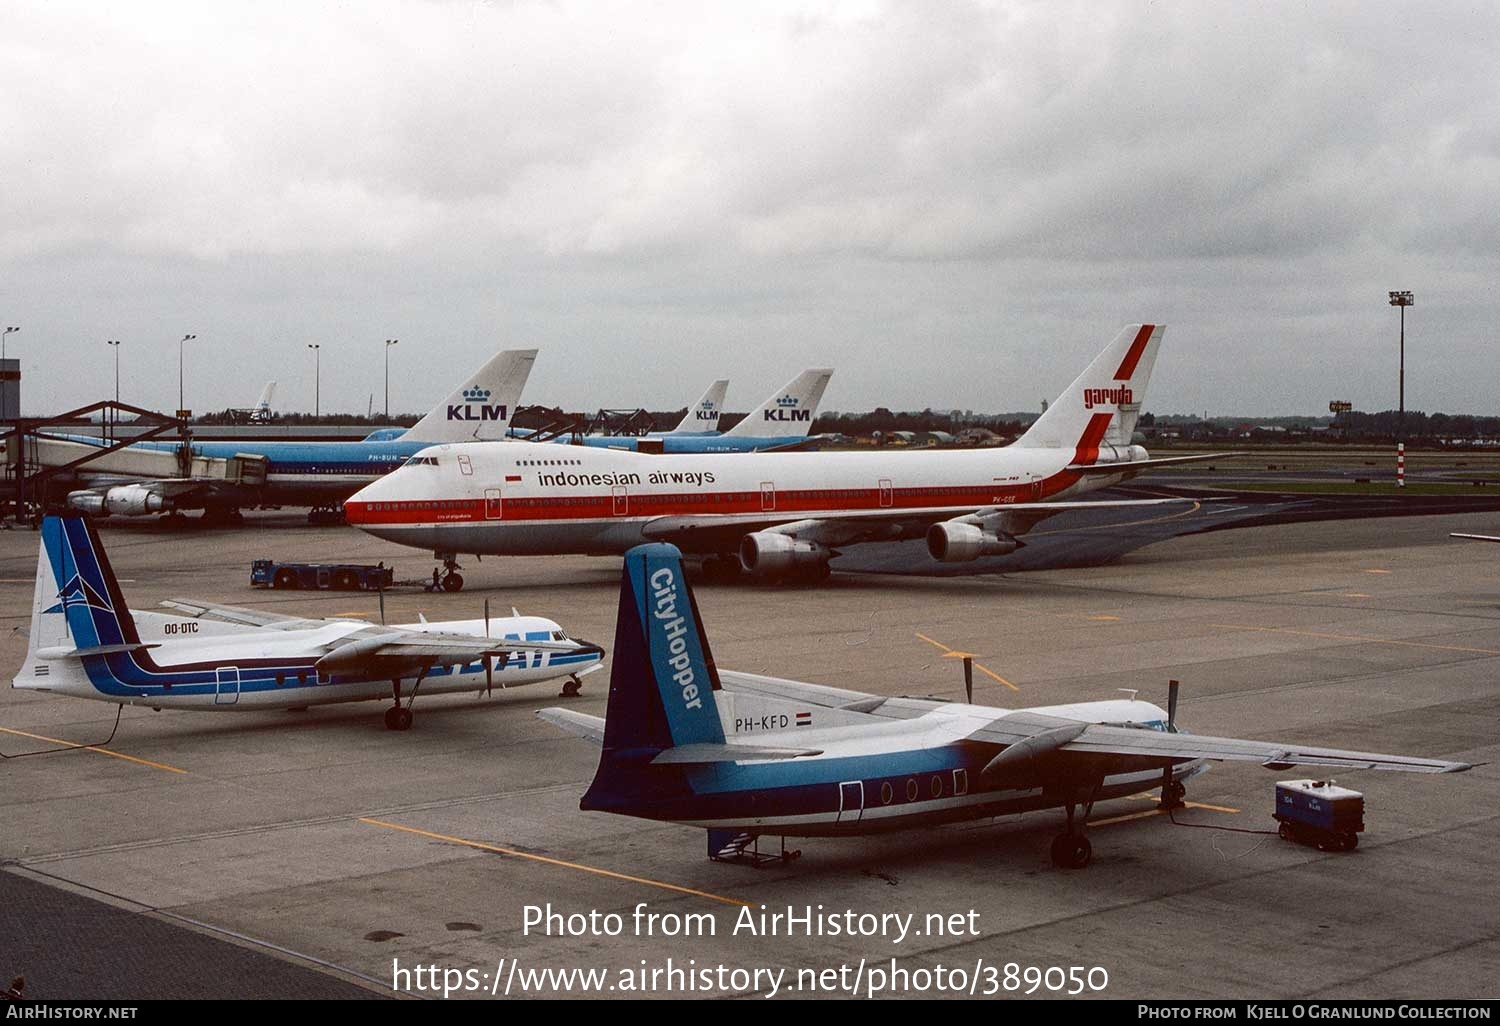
(768, 495)
(621, 500)
(228, 678)
(1036, 489)
(492, 504)
(851, 801)
(887, 493)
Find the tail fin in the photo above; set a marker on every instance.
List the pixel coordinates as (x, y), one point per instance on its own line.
(262, 409)
(77, 602)
(789, 412)
(703, 416)
(1103, 404)
(481, 408)
(662, 683)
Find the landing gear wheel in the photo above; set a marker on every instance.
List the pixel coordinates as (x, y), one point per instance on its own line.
(345, 580)
(390, 718)
(570, 688)
(398, 718)
(1071, 851)
(284, 579)
(453, 582)
(1173, 794)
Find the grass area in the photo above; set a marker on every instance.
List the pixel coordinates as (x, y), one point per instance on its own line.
(1354, 488)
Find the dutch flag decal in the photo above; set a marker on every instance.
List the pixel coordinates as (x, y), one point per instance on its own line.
(804, 719)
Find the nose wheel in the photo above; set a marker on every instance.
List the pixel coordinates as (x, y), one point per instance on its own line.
(447, 579)
(570, 687)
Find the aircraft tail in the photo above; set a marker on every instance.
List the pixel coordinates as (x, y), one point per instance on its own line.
(1100, 407)
(790, 411)
(77, 603)
(480, 409)
(663, 678)
(262, 409)
(703, 416)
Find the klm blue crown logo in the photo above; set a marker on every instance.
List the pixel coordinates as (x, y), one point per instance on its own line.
(707, 404)
(788, 408)
(476, 395)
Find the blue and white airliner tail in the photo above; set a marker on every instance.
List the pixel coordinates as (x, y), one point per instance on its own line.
(87, 643)
(744, 755)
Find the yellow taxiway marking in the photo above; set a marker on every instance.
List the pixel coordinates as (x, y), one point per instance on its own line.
(967, 655)
(1148, 813)
(555, 862)
(1377, 571)
(95, 748)
(1190, 805)
(1352, 594)
(1125, 818)
(1356, 637)
(1103, 616)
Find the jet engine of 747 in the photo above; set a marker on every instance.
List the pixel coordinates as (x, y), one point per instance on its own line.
(951, 542)
(768, 554)
(125, 500)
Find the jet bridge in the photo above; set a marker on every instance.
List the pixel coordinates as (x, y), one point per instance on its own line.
(41, 467)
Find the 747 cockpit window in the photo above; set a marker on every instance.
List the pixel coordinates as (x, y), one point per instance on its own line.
(421, 461)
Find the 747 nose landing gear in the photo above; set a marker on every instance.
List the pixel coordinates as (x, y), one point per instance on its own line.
(448, 579)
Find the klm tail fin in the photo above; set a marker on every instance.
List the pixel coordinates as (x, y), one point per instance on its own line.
(662, 683)
(703, 416)
(481, 408)
(789, 412)
(1101, 407)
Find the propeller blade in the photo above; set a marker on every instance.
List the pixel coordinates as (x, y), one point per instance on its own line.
(1172, 687)
(489, 676)
(486, 618)
(382, 607)
(969, 678)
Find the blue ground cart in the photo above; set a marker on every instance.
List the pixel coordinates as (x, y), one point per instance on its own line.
(1320, 813)
(268, 573)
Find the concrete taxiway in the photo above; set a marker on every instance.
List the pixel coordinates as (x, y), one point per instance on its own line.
(331, 846)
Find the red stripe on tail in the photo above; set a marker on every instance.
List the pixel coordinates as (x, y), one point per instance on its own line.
(1133, 357)
(1088, 445)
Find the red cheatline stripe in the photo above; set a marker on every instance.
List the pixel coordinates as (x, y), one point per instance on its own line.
(1088, 445)
(1127, 365)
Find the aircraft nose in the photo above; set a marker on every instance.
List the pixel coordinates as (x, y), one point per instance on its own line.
(359, 507)
(590, 647)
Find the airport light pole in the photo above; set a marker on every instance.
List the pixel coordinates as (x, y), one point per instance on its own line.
(388, 343)
(114, 414)
(317, 372)
(1402, 299)
(4, 412)
(180, 346)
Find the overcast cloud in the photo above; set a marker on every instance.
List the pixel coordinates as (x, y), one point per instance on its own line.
(954, 204)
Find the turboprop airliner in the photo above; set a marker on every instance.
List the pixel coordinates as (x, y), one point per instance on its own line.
(775, 514)
(315, 474)
(85, 642)
(744, 755)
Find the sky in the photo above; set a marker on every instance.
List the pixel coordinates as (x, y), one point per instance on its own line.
(954, 204)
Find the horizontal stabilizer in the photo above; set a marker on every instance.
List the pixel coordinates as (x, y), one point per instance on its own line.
(1136, 466)
(590, 728)
(63, 652)
(698, 754)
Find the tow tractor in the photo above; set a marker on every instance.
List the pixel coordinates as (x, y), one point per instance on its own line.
(268, 573)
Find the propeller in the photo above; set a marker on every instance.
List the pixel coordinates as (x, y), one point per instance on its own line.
(1172, 687)
(969, 679)
(382, 606)
(489, 661)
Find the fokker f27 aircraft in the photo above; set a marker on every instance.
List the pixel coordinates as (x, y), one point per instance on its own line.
(686, 742)
(775, 514)
(86, 643)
